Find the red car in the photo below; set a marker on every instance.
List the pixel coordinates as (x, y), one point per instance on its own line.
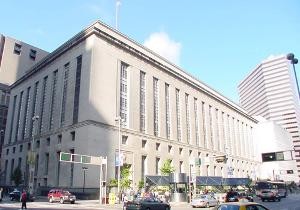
(62, 196)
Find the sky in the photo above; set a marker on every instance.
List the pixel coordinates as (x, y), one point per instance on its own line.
(219, 42)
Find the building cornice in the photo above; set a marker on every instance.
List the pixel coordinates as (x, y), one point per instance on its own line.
(104, 31)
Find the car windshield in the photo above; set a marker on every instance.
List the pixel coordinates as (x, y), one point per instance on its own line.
(66, 192)
(229, 207)
(202, 197)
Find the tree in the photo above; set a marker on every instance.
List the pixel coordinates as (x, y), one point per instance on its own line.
(167, 168)
(125, 182)
(141, 184)
(16, 176)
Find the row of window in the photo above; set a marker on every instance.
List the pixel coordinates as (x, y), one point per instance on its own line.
(18, 50)
(222, 126)
(30, 104)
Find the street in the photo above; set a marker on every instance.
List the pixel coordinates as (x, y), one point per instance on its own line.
(292, 202)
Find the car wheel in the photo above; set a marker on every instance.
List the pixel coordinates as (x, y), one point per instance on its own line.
(51, 200)
(263, 200)
(207, 205)
(72, 202)
(62, 200)
(278, 199)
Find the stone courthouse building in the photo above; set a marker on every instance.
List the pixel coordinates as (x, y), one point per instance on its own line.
(81, 88)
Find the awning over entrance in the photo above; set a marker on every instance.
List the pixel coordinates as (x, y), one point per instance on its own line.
(157, 180)
(235, 181)
(209, 180)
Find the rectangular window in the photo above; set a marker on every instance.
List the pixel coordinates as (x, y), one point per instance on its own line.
(196, 121)
(17, 49)
(14, 150)
(157, 146)
(38, 144)
(12, 167)
(46, 164)
(34, 105)
(143, 167)
(204, 124)
(170, 149)
(211, 127)
(21, 148)
(59, 137)
(32, 54)
(12, 119)
(142, 102)
(43, 104)
(124, 94)
(64, 95)
(178, 115)
(48, 141)
(72, 151)
(73, 135)
(26, 115)
(53, 98)
(20, 107)
(217, 137)
(144, 143)
(187, 112)
(155, 106)
(77, 89)
(157, 165)
(168, 114)
(36, 165)
(181, 170)
(124, 140)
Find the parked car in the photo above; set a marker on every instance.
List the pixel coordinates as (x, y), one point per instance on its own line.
(204, 201)
(62, 196)
(147, 203)
(232, 196)
(241, 206)
(16, 194)
(267, 195)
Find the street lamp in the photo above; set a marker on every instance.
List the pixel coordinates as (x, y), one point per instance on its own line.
(294, 61)
(120, 120)
(84, 170)
(31, 157)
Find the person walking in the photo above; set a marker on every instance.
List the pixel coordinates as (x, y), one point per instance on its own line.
(23, 199)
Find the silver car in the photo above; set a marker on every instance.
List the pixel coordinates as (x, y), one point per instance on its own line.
(204, 201)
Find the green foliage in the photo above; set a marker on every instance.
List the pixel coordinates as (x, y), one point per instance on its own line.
(125, 182)
(16, 176)
(113, 183)
(167, 168)
(141, 184)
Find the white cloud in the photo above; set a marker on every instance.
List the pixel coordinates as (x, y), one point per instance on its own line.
(161, 43)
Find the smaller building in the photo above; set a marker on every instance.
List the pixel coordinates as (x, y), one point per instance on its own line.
(275, 149)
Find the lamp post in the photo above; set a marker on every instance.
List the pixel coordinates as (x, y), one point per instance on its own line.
(2, 132)
(120, 120)
(32, 157)
(294, 61)
(84, 170)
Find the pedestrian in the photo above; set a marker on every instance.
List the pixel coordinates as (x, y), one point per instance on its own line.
(23, 199)
(125, 201)
(1, 193)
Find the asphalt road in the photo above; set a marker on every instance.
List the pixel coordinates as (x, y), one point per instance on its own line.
(292, 202)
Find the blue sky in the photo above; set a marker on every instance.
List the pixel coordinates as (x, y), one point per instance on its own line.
(218, 42)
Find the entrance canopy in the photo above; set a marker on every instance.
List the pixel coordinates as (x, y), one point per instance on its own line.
(157, 180)
(236, 181)
(209, 180)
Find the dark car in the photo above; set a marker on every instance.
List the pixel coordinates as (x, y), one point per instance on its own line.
(147, 203)
(232, 196)
(267, 195)
(16, 194)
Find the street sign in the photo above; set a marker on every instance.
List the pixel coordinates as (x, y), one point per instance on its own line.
(84, 159)
(65, 157)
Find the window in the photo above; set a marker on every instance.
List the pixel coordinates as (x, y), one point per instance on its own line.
(20, 107)
(33, 111)
(157, 164)
(124, 94)
(168, 122)
(187, 112)
(142, 102)
(124, 139)
(64, 94)
(14, 150)
(32, 54)
(144, 143)
(77, 89)
(157, 146)
(169, 149)
(196, 121)
(73, 135)
(29, 146)
(43, 104)
(38, 144)
(178, 115)
(48, 141)
(21, 148)
(204, 124)
(26, 115)
(12, 117)
(181, 170)
(155, 106)
(144, 165)
(53, 98)
(59, 137)
(17, 49)
(180, 151)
